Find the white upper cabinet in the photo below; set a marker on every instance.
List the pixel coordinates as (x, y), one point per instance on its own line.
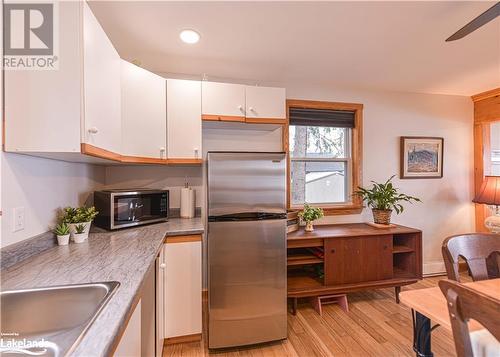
(42, 107)
(223, 99)
(184, 119)
(144, 116)
(101, 84)
(77, 103)
(265, 102)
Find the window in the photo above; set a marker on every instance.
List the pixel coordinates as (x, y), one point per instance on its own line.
(324, 150)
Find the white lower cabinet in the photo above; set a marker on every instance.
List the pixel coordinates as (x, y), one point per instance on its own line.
(130, 343)
(183, 289)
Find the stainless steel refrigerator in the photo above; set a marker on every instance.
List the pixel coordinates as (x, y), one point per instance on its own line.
(246, 248)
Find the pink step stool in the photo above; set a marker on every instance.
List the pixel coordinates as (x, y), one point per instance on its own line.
(340, 299)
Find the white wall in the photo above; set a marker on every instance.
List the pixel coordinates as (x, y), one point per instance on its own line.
(42, 186)
(158, 177)
(446, 208)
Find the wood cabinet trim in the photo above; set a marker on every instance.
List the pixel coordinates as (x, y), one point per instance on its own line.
(94, 151)
(142, 160)
(183, 239)
(279, 121)
(242, 119)
(184, 161)
(215, 117)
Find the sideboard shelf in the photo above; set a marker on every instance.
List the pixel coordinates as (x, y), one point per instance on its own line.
(352, 257)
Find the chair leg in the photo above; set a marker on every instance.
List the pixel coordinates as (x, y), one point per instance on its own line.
(397, 290)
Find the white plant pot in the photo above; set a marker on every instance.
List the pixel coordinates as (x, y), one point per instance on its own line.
(72, 229)
(63, 240)
(79, 237)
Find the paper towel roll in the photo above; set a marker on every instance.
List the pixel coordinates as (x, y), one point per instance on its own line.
(187, 202)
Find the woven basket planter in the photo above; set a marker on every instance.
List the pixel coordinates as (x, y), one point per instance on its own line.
(381, 216)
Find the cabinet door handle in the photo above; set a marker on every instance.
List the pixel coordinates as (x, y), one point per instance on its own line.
(93, 130)
(162, 152)
(240, 107)
(332, 251)
(163, 266)
(251, 109)
(196, 152)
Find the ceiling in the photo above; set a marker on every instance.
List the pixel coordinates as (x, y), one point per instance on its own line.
(394, 46)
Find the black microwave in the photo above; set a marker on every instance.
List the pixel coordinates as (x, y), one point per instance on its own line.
(127, 208)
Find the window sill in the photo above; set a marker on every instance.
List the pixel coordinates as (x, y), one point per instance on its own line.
(335, 210)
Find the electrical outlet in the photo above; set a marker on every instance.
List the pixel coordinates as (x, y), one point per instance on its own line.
(18, 219)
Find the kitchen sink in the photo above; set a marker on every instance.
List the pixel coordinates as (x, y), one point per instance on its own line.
(50, 321)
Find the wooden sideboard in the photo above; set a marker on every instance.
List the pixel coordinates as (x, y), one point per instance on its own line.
(351, 257)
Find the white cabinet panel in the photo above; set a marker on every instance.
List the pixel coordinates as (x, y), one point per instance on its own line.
(161, 267)
(223, 99)
(102, 94)
(43, 108)
(144, 117)
(183, 289)
(184, 119)
(265, 102)
(130, 343)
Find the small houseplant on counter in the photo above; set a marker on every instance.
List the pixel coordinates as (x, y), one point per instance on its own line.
(79, 215)
(310, 214)
(383, 198)
(62, 233)
(79, 236)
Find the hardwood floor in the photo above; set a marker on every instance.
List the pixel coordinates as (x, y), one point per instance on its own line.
(374, 326)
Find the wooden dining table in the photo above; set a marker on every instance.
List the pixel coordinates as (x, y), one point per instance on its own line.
(429, 306)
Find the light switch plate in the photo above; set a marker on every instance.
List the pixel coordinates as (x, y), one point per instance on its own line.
(18, 219)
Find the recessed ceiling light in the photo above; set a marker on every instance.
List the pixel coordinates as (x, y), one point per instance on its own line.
(189, 36)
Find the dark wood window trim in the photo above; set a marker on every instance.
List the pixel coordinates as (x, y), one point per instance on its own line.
(356, 206)
(486, 111)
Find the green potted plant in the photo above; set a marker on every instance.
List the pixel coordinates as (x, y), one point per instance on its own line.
(79, 215)
(310, 214)
(383, 198)
(62, 233)
(79, 236)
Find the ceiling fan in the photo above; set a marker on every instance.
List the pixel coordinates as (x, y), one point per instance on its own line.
(487, 16)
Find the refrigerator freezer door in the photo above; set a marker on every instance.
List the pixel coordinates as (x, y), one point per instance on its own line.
(246, 182)
(247, 282)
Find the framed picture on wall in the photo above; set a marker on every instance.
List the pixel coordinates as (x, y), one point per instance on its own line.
(421, 157)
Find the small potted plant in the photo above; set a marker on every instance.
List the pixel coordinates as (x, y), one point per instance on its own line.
(62, 233)
(310, 214)
(79, 215)
(383, 198)
(79, 236)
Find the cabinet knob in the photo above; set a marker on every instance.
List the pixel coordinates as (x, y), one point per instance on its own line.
(196, 152)
(93, 130)
(251, 109)
(163, 266)
(332, 251)
(240, 107)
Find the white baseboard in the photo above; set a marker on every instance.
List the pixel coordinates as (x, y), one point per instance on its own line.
(434, 268)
